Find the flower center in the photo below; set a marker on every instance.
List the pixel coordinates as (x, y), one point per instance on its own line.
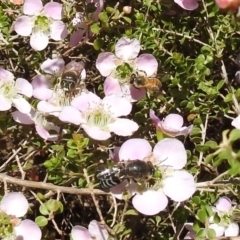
(8, 89)
(41, 120)
(161, 173)
(124, 72)
(99, 117)
(225, 218)
(61, 99)
(42, 24)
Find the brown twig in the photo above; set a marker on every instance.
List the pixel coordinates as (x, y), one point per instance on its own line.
(115, 210)
(49, 186)
(96, 203)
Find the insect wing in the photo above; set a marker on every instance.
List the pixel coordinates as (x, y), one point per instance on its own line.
(74, 66)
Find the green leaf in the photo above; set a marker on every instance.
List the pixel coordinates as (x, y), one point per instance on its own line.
(131, 212)
(43, 209)
(41, 196)
(202, 148)
(196, 200)
(220, 84)
(95, 28)
(201, 233)
(139, 16)
(216, 218)
(234, 135)
(97, 44)
(52, 205)
(103, 17)
(210, 233)
(206, 50)
(60, 209)
(211, 144)
(158, 219)
(127, 19)
(200, 59)
(110, 9)
(228, 98)
(41, 221)
(159, 135)
(116, 15)
(202, 215)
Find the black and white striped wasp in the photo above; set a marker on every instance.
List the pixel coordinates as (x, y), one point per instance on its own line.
(130, 170)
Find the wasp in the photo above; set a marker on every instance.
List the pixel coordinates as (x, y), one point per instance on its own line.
(71, 76)
(150, 83)
(135, 169)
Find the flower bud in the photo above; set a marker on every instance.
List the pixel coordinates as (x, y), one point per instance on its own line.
(127, 9)
(17, 2)
(228, 5)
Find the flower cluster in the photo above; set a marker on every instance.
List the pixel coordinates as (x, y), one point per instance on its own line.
(98, 117)
(225, 226)
(13, 206)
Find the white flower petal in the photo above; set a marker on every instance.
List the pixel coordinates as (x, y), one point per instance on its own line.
(22, 105)
(14, 203)
(232, 230)
(58, 30)
(28, 230)
(39, 41)
(23, 26)
(127, 49)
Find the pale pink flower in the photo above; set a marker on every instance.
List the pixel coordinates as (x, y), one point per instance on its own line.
(169, 158)
(56, 66)
(53, 99)
(228, 5)
(237, 74)
(119, 67)
(42, 126)
(15, 205)
(236, 122)
(94, 231)
(187, 4)
(226, 227)
(42, 88)
(42, 23)
(127, 9)
(11, 92)
(172, 125)
(99, 117)
(80, 22)
(28, 230)
(17, 2)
